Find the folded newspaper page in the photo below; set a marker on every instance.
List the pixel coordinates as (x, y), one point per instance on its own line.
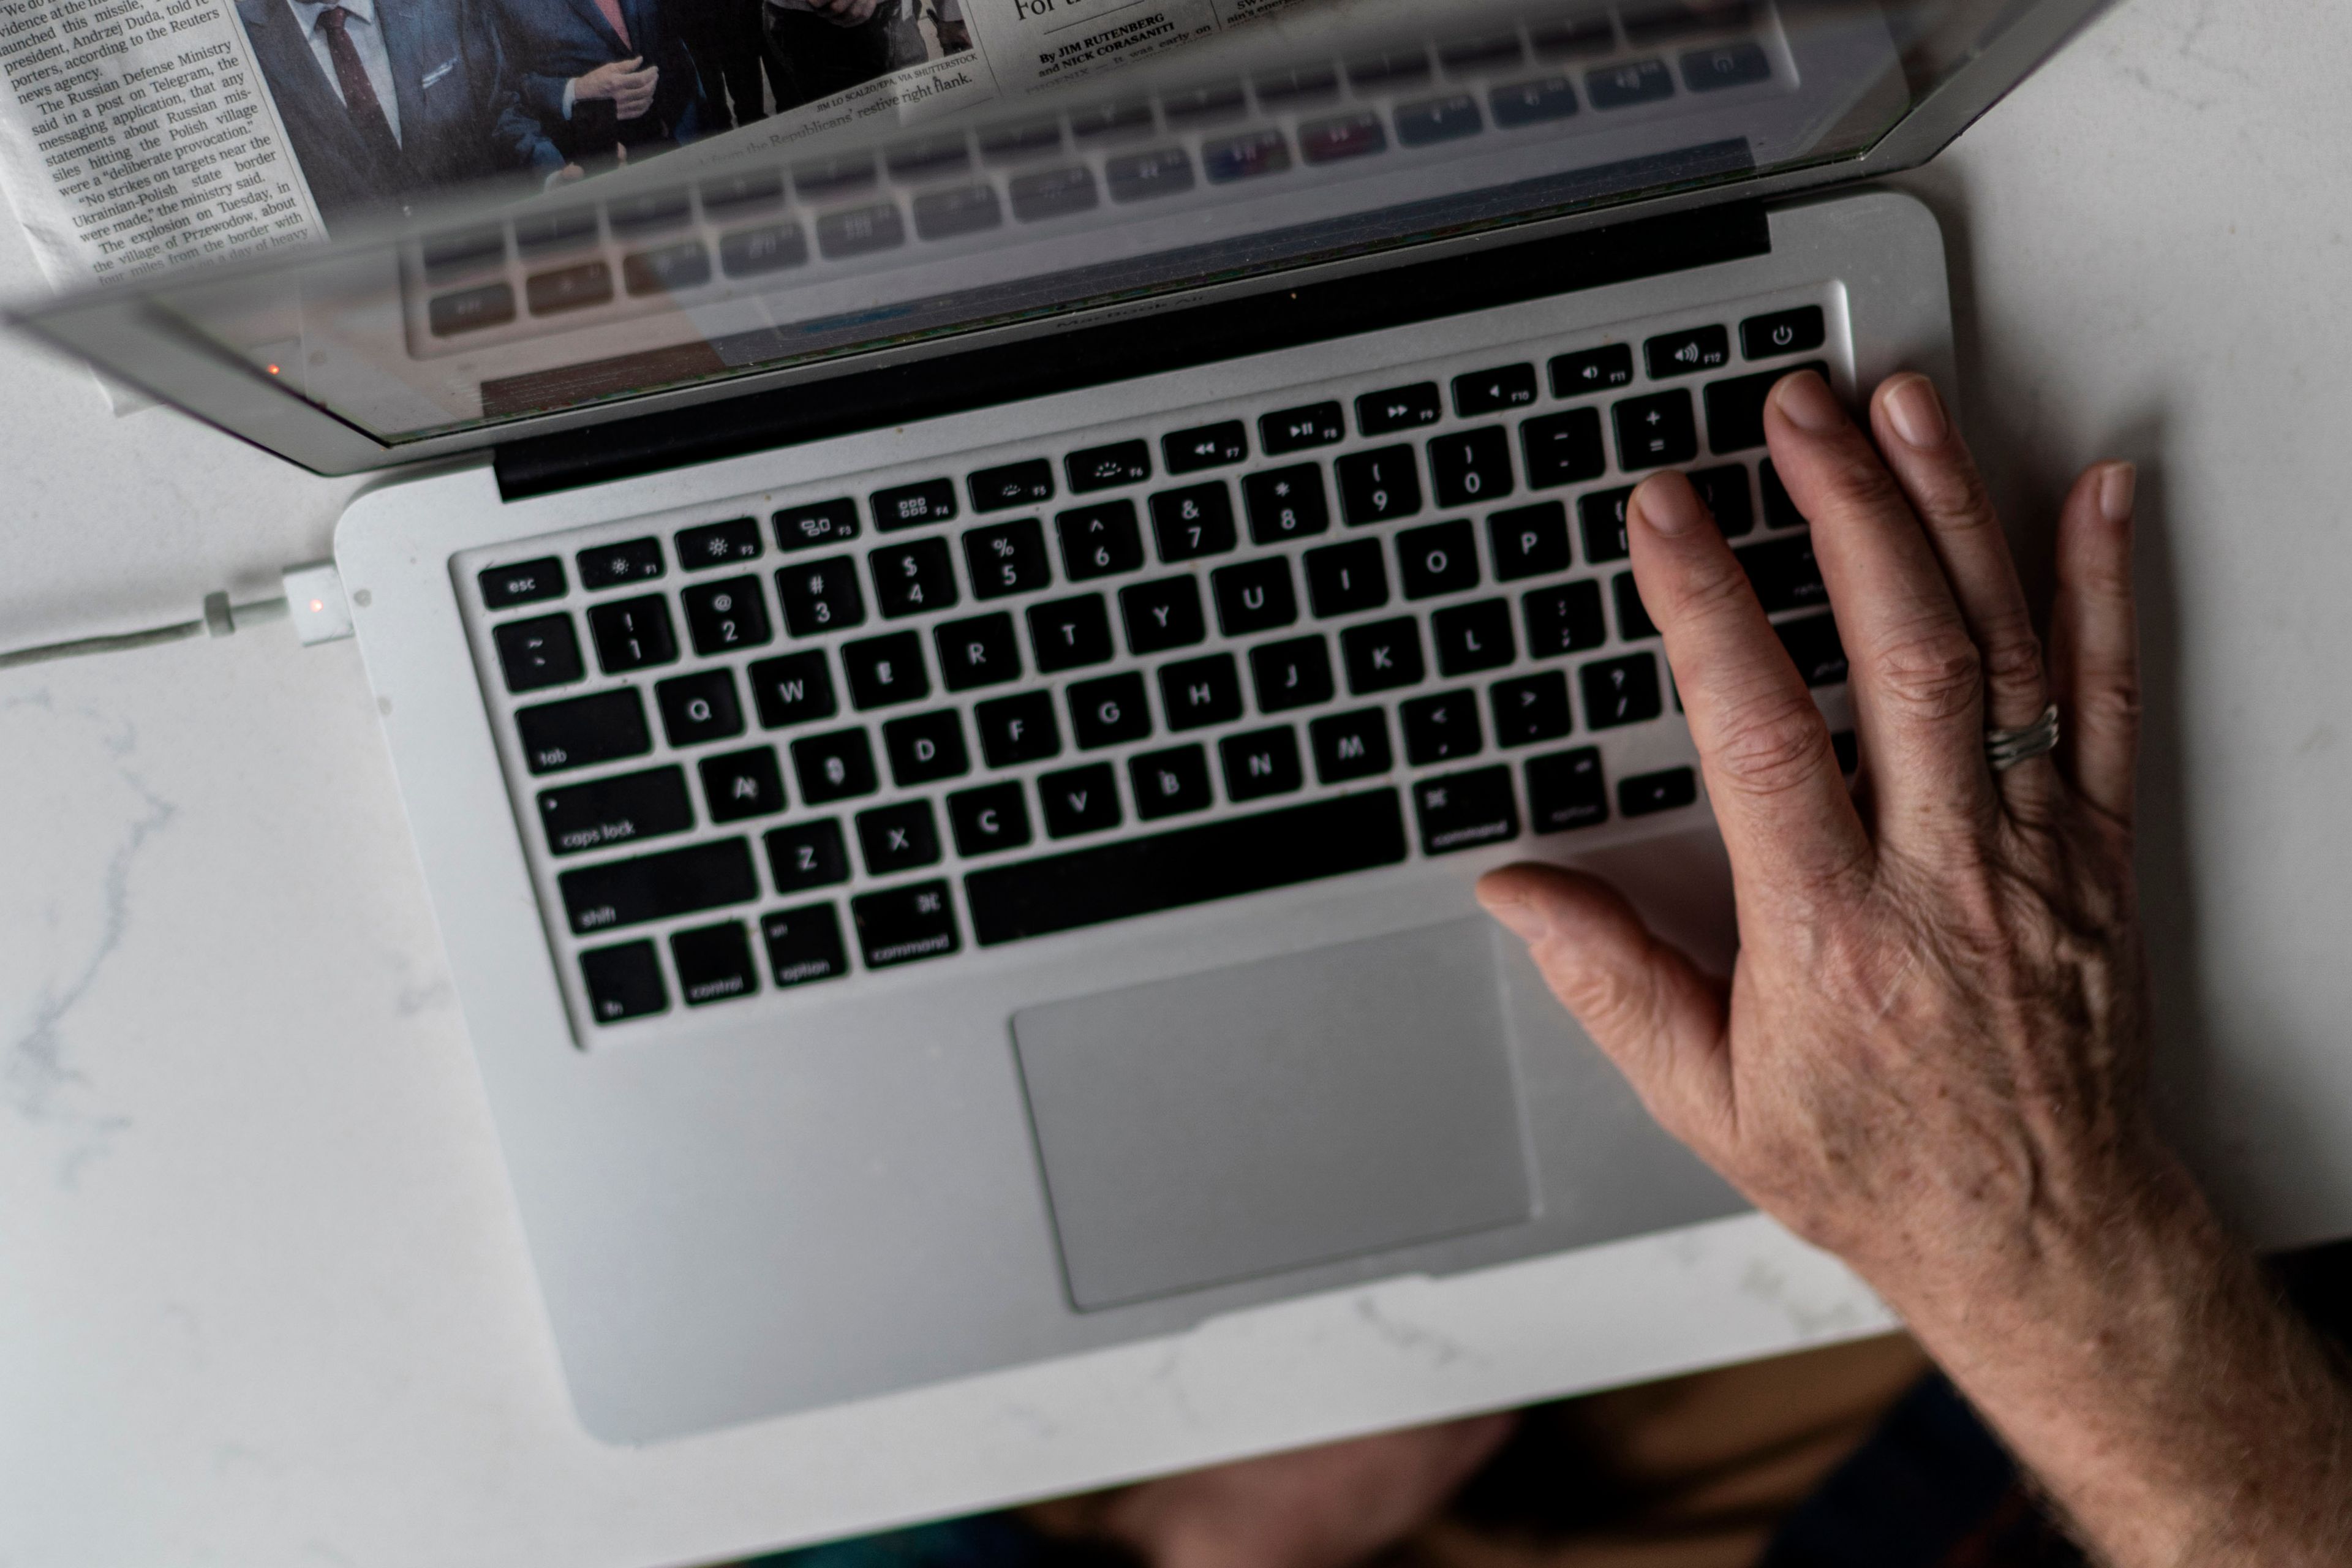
(143, 136)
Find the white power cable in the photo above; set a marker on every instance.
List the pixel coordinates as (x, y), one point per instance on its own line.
(313, 595)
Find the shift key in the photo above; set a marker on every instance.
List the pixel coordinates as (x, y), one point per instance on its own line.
(656, 887)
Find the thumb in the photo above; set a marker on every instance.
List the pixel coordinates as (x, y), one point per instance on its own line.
(1647, 1007)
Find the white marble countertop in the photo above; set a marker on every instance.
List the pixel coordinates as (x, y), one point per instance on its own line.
(262, 1296)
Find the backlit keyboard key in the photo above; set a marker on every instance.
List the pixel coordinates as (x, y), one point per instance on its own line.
(1404, 408)
(804, 946)
(1633, 623)
(1262, 763)
(1189, 523)
(1287, 503)
(1733, 65)
(1650, 794)
(633, 633)
(659, 886)
(525, 583)
(1725, 490)
(885, 672)
(1349, 746)
(1342, 136)
(1210, 447)
(698, 709)
(905, 924)
(1017, 730)
(982, 651)
(584, 732)
(1381, 656)
(1380, 486)
(1006, 559)
(1538, 103)
(1796, 331)
(1069, 634)
(894, 838)
(1566, 619)
(1015, 484)
(1593, 370)
(794, 689)
(1080, 801)
(1529, 541)
(719, 544)
(807, 527)
(1735, 408)
(1620, 691)
(915, 505)
(1163, 616)
(1818, 652)
(1621, 87)
(1654, 432)
(807, 854)
(833, 767)
(621, 810)
(1441, 729)
(726, 617)
(537, 653)
(714, 963)
(1109, 713)
(1563, 449)
(1347, 579)
(614, 566)
(1566, 791)
(1436, 120)
(740, 785)
(1530, 709)
(1438, 560)
(1470, 638)
(1600, 518)
(1200, 692)
(990, 820)
(1472, 468)
(1101, 541)
(1495, 390)
(1106, 468)
(1256, 596)
(1686, 354)
(913, 579)
(1293, 673)
(821, 596)
(1466, 811)
(624, 981)
(1243, 157)
(926, 749)
(1297, 429)
(1171, 782)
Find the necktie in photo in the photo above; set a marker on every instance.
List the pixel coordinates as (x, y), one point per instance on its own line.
(611, 11)
(359, 94)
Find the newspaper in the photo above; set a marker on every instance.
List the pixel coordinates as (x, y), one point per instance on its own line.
(144, 136)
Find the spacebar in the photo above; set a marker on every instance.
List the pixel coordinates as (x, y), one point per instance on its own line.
(1191, 866)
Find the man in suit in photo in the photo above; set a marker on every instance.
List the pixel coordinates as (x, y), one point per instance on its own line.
(599, 75)
(388, 100)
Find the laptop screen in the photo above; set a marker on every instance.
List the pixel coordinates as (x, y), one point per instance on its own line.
(842, 180)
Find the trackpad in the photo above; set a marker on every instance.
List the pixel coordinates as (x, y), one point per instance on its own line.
(1298, 1110)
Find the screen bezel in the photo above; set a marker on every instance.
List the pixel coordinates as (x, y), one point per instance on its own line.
(133, 339)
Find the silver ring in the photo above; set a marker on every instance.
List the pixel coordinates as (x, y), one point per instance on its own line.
(2005, 749)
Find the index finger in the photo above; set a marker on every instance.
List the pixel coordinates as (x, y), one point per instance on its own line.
(1779, 795)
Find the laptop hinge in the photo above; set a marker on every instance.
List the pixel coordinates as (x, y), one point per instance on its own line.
(1121, 351)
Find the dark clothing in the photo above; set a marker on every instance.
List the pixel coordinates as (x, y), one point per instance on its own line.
(727, 43)
(818, 59)
(459, 121)
(552, 41)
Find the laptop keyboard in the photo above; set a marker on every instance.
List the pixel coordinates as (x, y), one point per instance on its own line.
(1342, 628)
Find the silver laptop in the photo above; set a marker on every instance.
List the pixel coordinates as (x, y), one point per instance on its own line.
(952, 686)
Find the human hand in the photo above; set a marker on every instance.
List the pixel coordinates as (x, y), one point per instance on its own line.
(1931, 1057)
(631, 89)
(1314, 1508)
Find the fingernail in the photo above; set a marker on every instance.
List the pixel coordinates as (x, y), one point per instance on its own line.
(1917, 413)
(1524, 920)
(2118, 491)
(1809, 403)
(1668, 503)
